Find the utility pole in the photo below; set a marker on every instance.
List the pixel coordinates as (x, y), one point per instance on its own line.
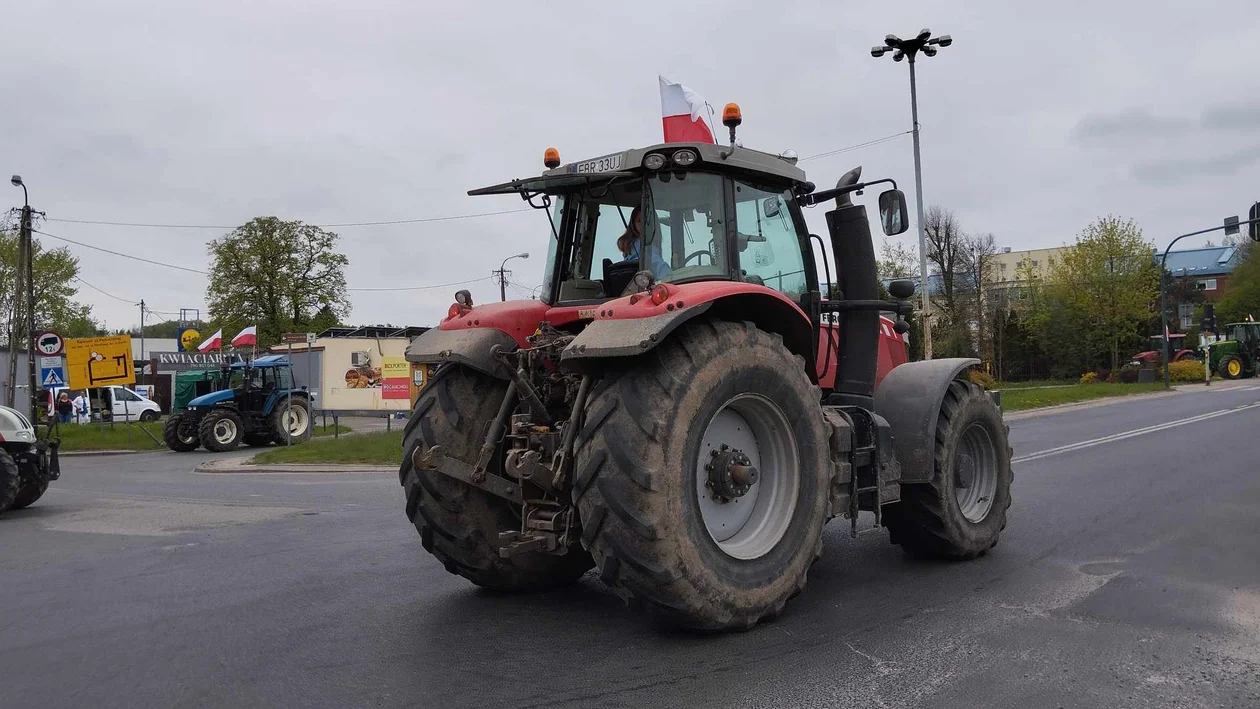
(142, 336)
(902, 49)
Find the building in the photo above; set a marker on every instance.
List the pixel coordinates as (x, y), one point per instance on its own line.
(1008, 266)
(358, 369)
(1198, 275)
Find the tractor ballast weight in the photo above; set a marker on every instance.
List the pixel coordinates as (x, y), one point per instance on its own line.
(690, 433)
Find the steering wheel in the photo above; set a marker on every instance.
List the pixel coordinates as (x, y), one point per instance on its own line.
(696, 255)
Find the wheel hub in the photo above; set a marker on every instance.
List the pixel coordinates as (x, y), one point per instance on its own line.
(731, 473)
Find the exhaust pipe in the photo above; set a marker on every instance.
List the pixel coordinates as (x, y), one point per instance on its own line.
(855, 276)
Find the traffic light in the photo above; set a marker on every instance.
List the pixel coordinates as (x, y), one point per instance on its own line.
(1253, 229)
(1208, 324)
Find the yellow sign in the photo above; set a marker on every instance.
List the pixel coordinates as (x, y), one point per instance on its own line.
(395, 368)
(99, 361)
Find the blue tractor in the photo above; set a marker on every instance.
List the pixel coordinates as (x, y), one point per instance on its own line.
(259, 405)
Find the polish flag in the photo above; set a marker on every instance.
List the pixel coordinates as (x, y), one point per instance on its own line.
(213, 342)
(683, 114)
(248, 336)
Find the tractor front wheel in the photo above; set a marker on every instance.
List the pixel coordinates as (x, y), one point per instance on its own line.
(220, 430)
(30, 493)
(10, 480)
(1231, 367)
(961, 512)
(702, 478)
(180, 435)
(460, 524)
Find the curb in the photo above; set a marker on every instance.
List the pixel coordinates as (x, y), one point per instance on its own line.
(83, 454)
(1076, 405)
(239, 465)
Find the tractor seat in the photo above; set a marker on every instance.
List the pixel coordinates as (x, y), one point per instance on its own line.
(617, 276)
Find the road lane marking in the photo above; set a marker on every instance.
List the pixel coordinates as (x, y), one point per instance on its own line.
(1130, 434)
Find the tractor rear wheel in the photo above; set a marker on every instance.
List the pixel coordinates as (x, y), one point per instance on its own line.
(1231, 367)
(460, 524)
(10, 480)
(962, 511)
(220, 430)
(702, 478)
(290, 419)
(178, 435)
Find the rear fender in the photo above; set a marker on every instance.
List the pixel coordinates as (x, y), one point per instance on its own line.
(910, 399)
(470, 347)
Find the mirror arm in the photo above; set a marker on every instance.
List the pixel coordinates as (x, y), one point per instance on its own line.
(809, 200)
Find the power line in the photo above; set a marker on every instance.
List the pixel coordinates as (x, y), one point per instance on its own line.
(119, 253)
(867, 144)
(98, 290)
(418, 220)
(439, 285)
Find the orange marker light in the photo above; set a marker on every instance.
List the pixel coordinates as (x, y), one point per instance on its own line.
(731, 116)
(660, 294)
(454, 311)
(551, 157)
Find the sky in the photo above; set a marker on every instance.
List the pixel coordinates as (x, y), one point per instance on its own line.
(1039, 118)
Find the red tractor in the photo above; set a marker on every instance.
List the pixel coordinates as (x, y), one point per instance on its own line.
(1155, 357)
(682, 409)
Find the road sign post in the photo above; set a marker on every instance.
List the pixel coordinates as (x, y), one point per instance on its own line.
(289, 338)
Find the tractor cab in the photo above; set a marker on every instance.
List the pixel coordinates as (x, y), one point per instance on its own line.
(253, 384)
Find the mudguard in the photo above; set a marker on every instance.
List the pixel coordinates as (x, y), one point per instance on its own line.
(632, 336)
(910, 399)
(470, 348)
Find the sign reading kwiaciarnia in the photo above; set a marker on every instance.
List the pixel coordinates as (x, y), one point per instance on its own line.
(99, 361)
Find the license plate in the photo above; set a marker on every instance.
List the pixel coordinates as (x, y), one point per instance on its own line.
(608, 163)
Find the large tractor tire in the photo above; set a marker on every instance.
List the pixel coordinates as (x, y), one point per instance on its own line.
(30, 493)
(10, 480)
(1230, 367)
(676, 522)
(460, 524)
(962, 511)
(179, 436)
(220, 430)
(290, 419)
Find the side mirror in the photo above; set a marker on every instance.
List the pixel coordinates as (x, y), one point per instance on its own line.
(892, 212)
(770, 206)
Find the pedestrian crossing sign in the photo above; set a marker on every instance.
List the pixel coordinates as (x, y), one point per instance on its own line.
(53, 378)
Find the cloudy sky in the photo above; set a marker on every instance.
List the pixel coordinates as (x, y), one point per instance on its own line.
(1039, 118)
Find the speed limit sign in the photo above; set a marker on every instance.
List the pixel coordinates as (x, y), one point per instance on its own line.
(49, 343)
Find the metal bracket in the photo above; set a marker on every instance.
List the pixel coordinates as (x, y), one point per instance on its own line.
(434, 459)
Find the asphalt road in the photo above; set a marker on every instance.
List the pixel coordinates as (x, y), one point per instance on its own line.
(1129, 576)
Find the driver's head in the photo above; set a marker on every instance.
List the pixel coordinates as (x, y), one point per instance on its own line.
(634, 230)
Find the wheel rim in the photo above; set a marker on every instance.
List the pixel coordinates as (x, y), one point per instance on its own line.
(296, 420)
(225, 431)
(749, 525)
(1234, 367)
(975, 473)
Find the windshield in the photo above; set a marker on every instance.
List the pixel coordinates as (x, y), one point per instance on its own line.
(686, 226)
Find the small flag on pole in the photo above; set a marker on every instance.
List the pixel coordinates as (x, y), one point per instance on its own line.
(213, 342)
(683, 114)
(248, 336)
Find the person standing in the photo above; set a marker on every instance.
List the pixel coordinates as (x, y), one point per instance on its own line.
(65, 409)
(81, 407)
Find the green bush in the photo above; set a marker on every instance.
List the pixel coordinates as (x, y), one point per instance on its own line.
(1088, 378)
(982, 379)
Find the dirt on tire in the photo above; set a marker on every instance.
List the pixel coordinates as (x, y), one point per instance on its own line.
(173, 439)
(460, 524)
(635, 478)
(928, 522)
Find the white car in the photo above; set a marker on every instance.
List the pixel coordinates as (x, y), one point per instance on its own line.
(26, 464)
(121, 403)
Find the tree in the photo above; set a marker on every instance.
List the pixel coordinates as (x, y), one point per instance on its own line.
(896, 260)
(978, 255)
(1099, 293)
(279, 275)
(945, 247)
(55, 272)
(1243, 297)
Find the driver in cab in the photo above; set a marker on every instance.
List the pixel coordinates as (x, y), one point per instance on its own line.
(630, 244)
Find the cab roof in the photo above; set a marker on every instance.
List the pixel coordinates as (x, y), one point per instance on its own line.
(264, 361)
(629, 163)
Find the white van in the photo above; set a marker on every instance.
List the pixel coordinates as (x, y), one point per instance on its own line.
(117, 403)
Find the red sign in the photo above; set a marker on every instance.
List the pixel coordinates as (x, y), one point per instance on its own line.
(395, 388)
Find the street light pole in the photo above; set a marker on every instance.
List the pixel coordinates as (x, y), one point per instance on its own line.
(502, 271)
(909, 49)
(26, 258)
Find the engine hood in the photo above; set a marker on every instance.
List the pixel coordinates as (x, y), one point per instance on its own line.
(214, 397)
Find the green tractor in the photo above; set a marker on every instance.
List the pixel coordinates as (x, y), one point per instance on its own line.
(1236, 356)
(255, 403)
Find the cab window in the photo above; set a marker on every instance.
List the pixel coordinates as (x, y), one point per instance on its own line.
(687, 226)
(598, 221)
(770, 252)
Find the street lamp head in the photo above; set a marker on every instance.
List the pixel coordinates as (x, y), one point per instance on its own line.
(899, 56)
(944, 40)
(892, 40)
(878, 52)
(924, 34)
(16, 180)
(522, 255)
(929, 51)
